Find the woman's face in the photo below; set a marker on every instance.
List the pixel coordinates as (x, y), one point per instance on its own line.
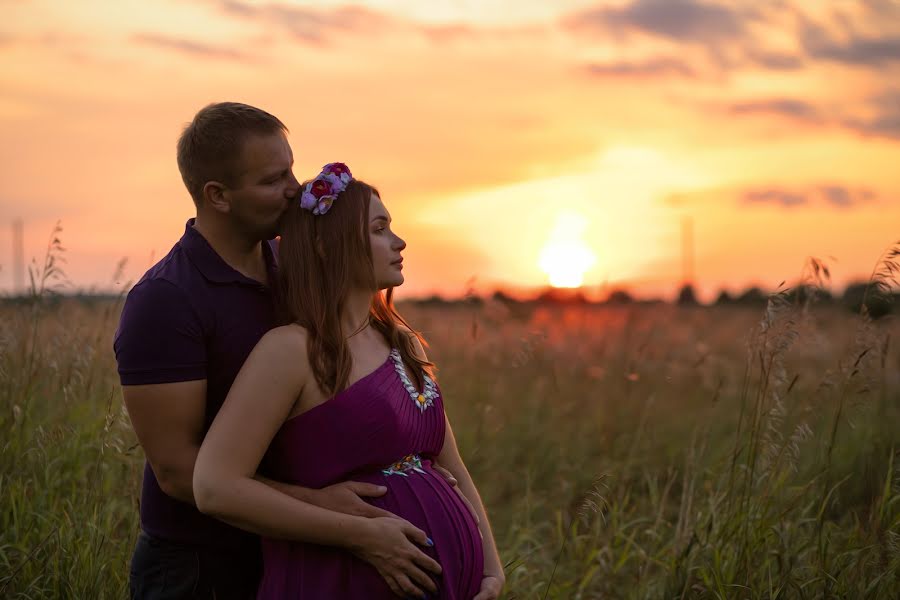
(387, 263)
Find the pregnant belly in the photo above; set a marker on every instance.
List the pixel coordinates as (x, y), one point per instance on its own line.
(416, 493)
(422, 496)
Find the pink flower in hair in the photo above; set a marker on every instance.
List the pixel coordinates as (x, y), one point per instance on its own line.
(307, 201)
(320, 187)
(324, 205)
(339, 169)
(321, 192)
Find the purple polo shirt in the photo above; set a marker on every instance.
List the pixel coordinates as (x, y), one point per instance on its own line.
(191, 316)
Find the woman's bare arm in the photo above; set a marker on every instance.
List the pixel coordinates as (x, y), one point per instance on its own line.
(260, 400)
(258, 403)
(450, 459)
(453, 462)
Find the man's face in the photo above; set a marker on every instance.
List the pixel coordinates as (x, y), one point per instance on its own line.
(265, 185)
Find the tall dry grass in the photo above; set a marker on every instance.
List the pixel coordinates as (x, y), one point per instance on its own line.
(629, 452)
(69, 463)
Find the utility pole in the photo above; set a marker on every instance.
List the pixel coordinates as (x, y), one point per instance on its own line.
(18, 257)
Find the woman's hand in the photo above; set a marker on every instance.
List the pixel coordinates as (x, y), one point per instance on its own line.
(388, 544)
(491, 586)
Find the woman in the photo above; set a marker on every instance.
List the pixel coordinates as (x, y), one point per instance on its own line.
(345, 391)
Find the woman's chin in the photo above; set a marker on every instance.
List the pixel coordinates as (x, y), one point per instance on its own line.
(394, 281)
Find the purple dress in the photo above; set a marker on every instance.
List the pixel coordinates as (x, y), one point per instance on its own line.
(379, 430)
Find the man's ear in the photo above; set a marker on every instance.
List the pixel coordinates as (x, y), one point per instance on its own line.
(215, 194)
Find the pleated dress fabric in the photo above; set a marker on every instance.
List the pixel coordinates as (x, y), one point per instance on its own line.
(379, 430)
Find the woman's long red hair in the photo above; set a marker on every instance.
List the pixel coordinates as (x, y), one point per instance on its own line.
(321, 259)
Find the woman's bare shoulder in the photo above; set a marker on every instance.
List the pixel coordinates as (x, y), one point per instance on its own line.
(291, 334)
(286, 343)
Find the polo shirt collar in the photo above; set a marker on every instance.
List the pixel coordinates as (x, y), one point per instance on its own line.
(213, 267)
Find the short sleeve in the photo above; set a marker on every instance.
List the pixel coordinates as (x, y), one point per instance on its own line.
(160, 336)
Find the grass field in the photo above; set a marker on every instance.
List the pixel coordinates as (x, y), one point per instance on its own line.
(622, 452)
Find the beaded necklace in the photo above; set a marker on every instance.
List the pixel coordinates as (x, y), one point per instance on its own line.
(423, 399)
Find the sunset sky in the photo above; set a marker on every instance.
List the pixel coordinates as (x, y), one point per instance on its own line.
(504, 135)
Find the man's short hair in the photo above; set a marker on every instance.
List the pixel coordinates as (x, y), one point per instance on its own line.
(210, 146)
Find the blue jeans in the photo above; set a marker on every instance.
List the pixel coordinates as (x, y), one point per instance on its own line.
(164, 570)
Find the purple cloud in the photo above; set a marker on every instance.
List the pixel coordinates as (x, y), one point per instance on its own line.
(190, 47)
(678, 20)
(882, 119)
(837, 196)
(797, 109)
(774, 196)
(649, 68)
(305, 24)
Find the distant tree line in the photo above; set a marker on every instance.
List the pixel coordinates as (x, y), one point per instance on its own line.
(877, 302)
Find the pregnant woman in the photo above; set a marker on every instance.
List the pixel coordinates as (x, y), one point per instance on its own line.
(345, 391)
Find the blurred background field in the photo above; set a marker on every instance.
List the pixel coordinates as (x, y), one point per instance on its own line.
(633, 451)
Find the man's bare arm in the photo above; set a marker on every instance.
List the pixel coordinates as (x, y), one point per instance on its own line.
(168, 420)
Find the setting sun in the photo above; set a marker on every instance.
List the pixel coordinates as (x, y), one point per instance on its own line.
(566, 258)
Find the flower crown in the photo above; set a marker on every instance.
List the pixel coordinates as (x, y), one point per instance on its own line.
(321, 192)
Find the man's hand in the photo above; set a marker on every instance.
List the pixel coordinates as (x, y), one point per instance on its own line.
(389, 546)
(490, 588)
(453, 483)
(347, 497)
(445, 474)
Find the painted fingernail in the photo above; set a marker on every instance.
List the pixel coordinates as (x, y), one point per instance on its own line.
(428, 542)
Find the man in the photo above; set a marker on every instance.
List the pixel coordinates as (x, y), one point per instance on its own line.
(186, 329)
